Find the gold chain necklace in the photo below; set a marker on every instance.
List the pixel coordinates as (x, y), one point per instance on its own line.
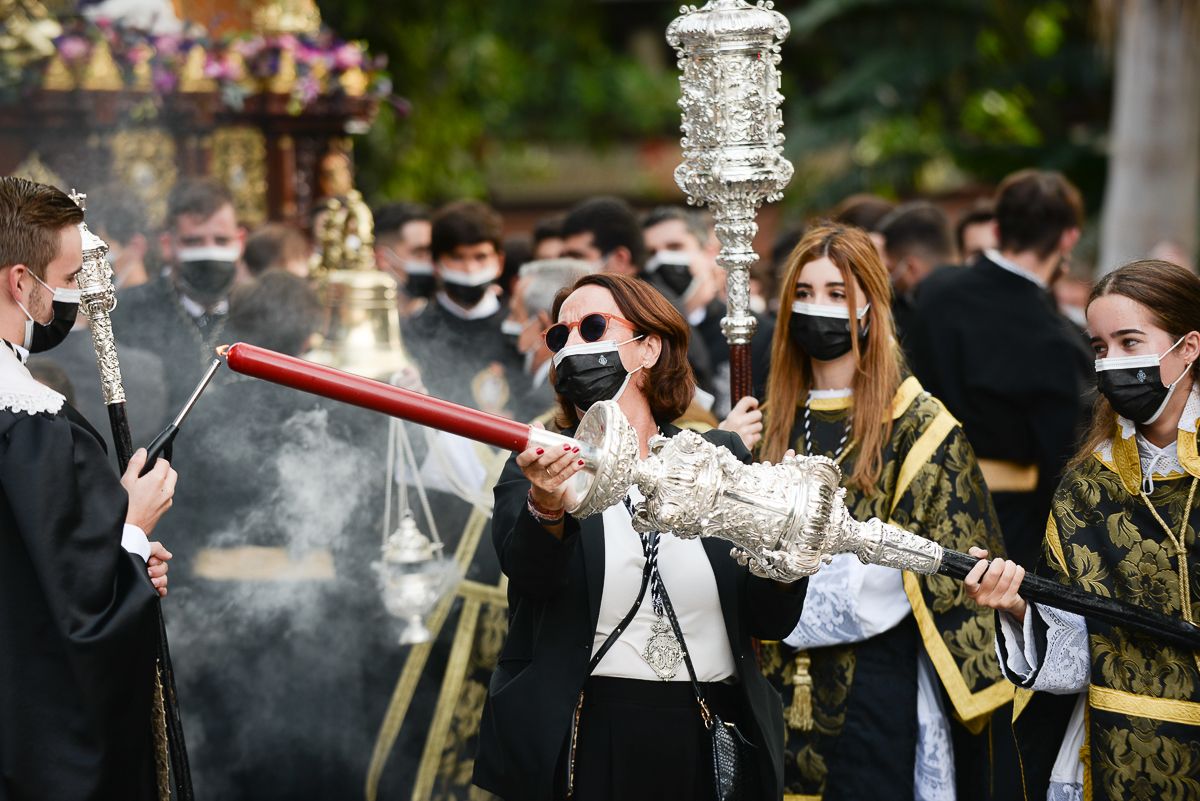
(1180, 543)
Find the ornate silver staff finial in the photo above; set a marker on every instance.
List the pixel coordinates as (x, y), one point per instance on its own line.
(732, 132)
(97, 299)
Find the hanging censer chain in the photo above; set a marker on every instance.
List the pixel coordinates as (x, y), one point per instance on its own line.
(840, 453)
(1180, 543)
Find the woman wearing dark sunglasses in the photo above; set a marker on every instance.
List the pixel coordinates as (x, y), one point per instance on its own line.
(568, 716)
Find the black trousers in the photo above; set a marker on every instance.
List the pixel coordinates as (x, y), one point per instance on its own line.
(645, 740)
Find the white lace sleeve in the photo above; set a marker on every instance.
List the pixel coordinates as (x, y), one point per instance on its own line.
(1064, 668)
(847, 602)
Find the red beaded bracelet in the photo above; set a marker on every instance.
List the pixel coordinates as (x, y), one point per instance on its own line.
(541, 515)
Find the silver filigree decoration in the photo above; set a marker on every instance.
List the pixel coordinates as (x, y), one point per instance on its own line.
(97, 299)
(728, 56)
(785, 520)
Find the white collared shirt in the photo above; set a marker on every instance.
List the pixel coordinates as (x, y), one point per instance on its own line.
(196, 310)
(489, 305)
(1012, 267)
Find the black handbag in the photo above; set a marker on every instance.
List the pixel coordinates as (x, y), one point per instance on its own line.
(732, 759)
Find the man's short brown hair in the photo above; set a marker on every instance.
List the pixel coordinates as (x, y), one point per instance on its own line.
(32, 217)
(199, 198)
(1033, 210)
(465, 222)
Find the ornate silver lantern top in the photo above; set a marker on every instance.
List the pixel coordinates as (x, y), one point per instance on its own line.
(732, 130)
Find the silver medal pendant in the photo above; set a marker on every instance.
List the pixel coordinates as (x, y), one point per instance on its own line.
(662, 652)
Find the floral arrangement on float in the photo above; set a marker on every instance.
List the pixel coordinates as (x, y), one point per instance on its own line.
(99, 54)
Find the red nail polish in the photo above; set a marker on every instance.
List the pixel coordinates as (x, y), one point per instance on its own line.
(540, 451)
(576, 450)
(566, 447)
(580, 462)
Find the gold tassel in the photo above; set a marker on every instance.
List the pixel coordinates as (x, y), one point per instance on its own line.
(162, 757)
(800, 711)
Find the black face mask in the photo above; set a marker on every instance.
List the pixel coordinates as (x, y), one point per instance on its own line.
(591, 372)
(1134, 387)
(670, 272)
(41, 337)
(823, 338)
(207, 281)
(466, 296)
(419, 285)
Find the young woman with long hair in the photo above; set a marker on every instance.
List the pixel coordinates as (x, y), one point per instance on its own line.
(883, 663)
(1115, 714)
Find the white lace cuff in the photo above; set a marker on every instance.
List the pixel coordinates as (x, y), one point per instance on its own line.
(1019, 644)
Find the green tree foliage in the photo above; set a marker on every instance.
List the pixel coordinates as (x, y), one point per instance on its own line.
(890, 96)
(479, 75)
(907, 96)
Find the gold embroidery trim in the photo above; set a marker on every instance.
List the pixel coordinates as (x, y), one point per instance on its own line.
(1127, 463)
(261, 564)
(1021, 698)
(1054, 542)
(1186, 449)
(971, 708)
(922, 451)
(1107, 699)
(906, 393)
(452, 683)
(796, 797)
(1003, 476)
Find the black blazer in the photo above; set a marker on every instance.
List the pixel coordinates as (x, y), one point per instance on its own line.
(554, 603)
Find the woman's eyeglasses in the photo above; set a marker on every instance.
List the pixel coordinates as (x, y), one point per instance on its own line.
(591, 328)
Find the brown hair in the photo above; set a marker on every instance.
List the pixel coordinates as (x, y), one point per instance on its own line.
(465, 222)
(669, 383)
(877, 376)
(32, 217)
(1172, 296)
(200, 198)
(1034, 208)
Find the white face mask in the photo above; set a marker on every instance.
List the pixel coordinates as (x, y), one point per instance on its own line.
(462, 278)
(511, 327)
(832, 312)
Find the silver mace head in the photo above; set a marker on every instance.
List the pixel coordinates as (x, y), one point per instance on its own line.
(95, 275)
(784, 520)
(728, 56)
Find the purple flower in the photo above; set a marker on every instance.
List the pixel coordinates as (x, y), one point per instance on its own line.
(167, 45)
(287, 42)
(308, 89)
(73, 48)
(164, 81)
(347, 56)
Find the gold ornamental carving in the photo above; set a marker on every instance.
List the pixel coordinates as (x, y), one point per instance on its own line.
(239, 160)
(144, 159)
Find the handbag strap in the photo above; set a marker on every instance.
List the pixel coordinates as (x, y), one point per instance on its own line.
(625, 621)
(705, 712)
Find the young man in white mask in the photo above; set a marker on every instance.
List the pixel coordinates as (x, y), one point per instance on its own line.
(181, 314)
(456, 341)
(78, 624)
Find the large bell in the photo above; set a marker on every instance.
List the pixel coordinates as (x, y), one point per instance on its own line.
(362, 330)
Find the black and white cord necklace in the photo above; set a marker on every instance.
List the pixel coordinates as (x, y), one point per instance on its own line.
(662, 653)
(808, 446)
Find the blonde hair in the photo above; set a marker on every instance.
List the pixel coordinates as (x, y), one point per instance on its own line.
(877, 375)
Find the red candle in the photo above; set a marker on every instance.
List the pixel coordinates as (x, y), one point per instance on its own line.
(380, 397)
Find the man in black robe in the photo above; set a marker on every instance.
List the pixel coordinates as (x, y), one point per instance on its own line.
(917, 243)
(181, 314)
(989, 343)
(77, 619)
